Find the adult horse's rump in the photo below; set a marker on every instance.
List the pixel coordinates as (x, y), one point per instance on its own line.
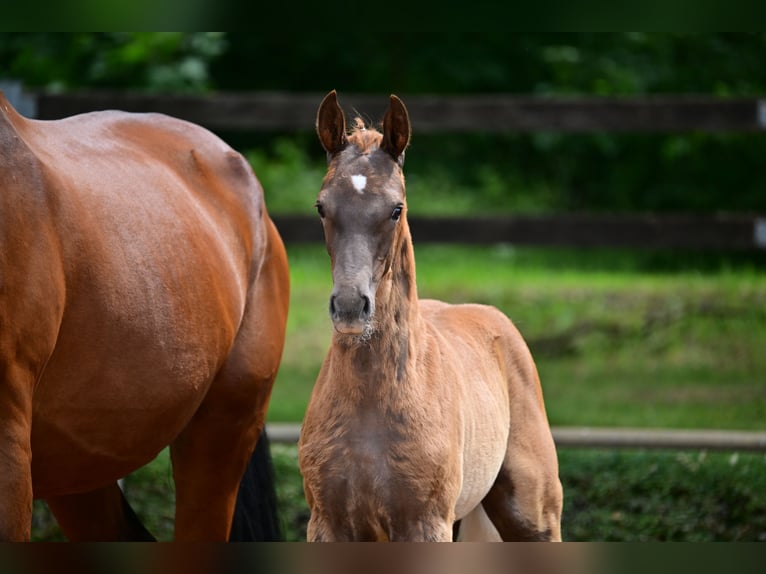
(143, 300)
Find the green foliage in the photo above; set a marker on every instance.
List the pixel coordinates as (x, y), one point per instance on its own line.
(456, 173)
(293, 509)
(498, 61)
(544, 172)
(471, 173)
(44, 525)
(290, 178)
(176, 61)
(663, 496)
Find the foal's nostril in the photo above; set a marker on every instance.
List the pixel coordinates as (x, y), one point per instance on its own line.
(332, 305)
(366, 305)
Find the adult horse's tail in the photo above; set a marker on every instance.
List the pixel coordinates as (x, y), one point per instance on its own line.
(255, 515)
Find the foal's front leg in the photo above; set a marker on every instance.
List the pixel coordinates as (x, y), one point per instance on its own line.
(320, 529)
(433, 530)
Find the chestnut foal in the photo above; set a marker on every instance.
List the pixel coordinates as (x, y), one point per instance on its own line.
(423, 413)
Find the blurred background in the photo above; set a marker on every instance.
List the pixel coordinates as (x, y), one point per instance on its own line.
(647, 336)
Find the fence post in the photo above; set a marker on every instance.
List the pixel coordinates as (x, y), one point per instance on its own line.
(24, 102)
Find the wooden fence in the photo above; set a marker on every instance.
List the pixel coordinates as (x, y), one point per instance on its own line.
(586, 437)
(736, 232)
(275, 111)
(285, 112)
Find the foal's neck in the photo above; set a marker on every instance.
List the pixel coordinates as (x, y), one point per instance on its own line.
(397, 298)
(383, 358)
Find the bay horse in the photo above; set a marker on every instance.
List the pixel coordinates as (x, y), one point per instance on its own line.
(424, 414)
(143, 303)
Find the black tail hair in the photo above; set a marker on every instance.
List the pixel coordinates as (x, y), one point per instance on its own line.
(255, 515)
(137, 530)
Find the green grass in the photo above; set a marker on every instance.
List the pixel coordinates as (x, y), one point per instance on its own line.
(620, 339)
(626, 348)
(663, 496)
(629, 496)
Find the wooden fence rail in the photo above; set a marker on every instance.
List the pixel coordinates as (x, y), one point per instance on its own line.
(277, 111)
(611, 438)
(693, 232)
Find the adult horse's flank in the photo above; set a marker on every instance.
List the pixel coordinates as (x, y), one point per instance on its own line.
(143, 299)
(423, 413)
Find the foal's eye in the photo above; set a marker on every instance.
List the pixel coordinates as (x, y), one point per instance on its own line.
(320, 209)
(396, 213)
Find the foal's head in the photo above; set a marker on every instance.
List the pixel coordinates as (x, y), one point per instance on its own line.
(362, 207)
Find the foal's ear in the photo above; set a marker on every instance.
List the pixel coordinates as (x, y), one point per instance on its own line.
(396, 129)
(331, 125)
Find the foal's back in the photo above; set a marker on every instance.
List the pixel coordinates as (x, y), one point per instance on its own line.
(483, 338)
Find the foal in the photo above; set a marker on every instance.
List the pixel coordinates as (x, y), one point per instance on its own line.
(423, 413)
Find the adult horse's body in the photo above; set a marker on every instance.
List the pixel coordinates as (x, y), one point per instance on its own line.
(423, 413)
(143, 300)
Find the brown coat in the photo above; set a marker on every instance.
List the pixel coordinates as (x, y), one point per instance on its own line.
(143, 300)
(423, 412)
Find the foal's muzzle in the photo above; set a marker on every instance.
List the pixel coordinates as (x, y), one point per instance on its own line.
(350, 311)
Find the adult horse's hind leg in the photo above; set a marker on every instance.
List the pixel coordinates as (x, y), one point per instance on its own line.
(16, 385)
(207, 467)
(209, 457)
(15, 479)
(101, 515)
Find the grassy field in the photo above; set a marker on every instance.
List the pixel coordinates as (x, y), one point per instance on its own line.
(615, 344)
(620, 339)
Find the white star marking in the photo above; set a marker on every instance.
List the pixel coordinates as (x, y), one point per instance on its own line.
(359, 181)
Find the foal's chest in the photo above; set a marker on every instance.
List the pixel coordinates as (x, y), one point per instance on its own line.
(376, 462)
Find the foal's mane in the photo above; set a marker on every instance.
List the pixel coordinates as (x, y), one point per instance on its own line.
(365, 138)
